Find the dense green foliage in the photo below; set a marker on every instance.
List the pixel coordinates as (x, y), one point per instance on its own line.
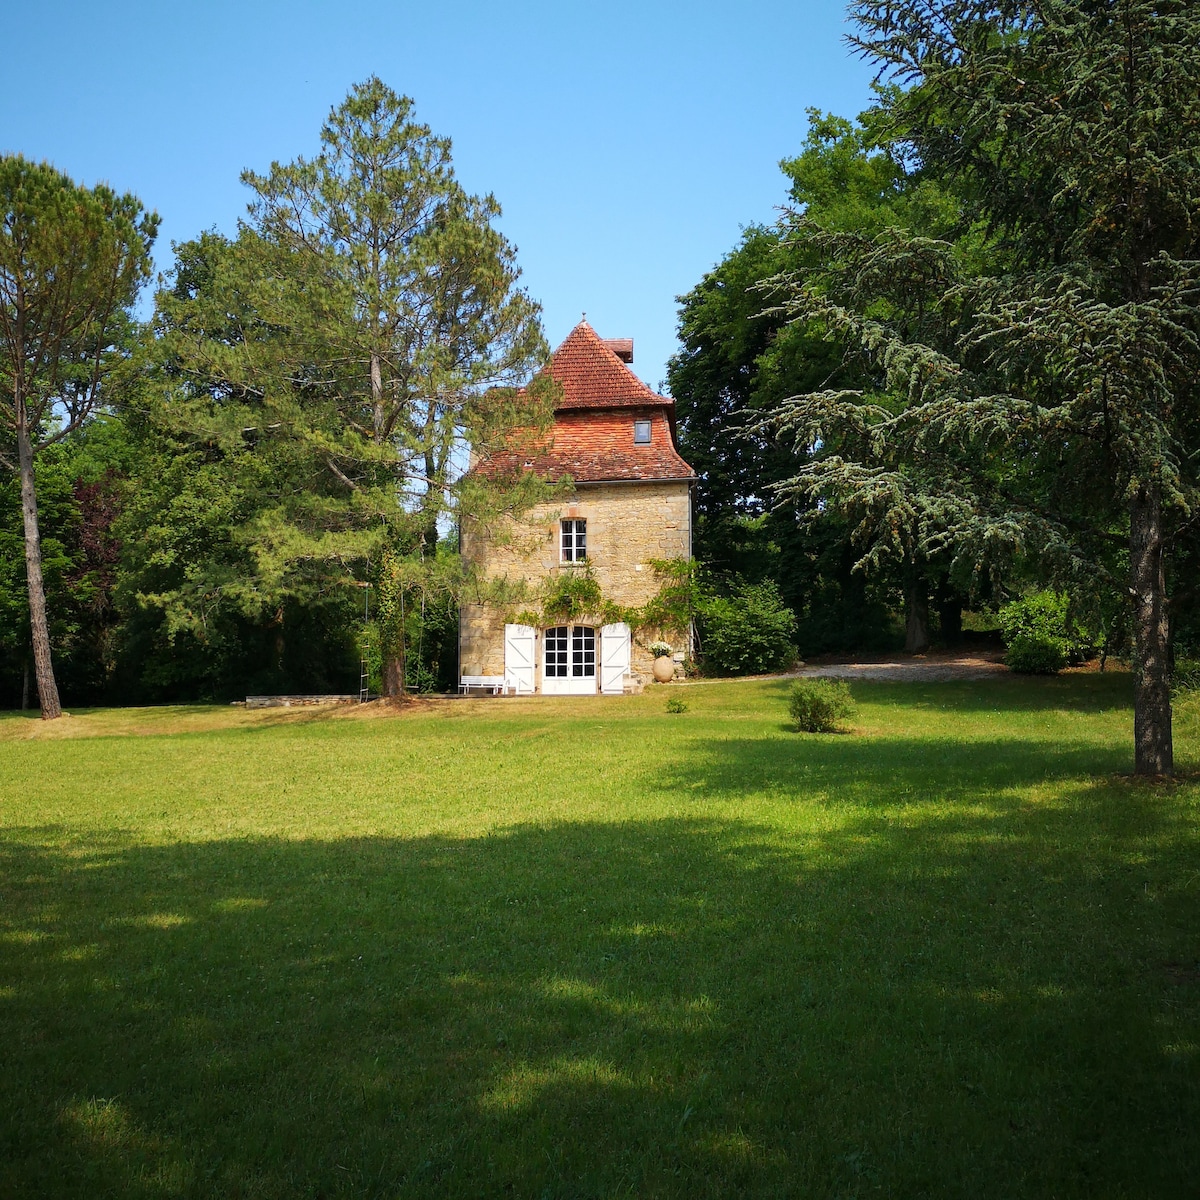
(1041, 633)
(1034, 654)
(1038, 404)
(745, 629)
(739, 362)
(72, 260)
(820, 705)
(78, 505)
(473, 947)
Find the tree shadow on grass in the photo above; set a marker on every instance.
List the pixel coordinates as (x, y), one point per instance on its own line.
(1085, 693)
(963, 1003)
(880, 772)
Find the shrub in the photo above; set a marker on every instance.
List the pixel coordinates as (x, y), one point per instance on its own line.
(748, 632)
(1040, 635)
(1185, 678)
(676, 704)
(1037, 654)
(658, 649)
(820, 705)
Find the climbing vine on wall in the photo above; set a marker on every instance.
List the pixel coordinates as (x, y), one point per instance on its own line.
(574, 594)
(673, 608)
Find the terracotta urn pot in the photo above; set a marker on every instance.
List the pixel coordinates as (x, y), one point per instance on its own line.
(664, 668)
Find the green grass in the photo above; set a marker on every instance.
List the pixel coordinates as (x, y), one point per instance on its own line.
(589, 948)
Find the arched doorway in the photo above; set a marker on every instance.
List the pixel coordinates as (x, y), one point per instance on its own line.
(569, 661)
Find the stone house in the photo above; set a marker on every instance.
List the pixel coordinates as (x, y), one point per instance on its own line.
(630, 504)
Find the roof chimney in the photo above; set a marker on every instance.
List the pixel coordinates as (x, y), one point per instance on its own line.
(621, 347)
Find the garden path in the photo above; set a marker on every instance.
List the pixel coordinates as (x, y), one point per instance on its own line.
(935, 666)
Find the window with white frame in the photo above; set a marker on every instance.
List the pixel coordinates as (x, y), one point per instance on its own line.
(641, 433)
(574, 540)
(570, 651)
(556, 652)
(583, 651)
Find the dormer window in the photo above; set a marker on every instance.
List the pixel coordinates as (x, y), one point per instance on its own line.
(574, 540)
(641, 433)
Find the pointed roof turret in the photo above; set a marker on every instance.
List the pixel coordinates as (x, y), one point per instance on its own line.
(593, 375)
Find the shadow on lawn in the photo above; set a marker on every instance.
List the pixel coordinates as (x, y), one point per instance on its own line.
(947, 1001)
(1087, 693)
(880, 772)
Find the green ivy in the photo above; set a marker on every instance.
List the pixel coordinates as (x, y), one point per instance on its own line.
(571, 594)
(575, 594)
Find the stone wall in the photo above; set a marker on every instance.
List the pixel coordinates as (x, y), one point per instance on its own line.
(628, 524)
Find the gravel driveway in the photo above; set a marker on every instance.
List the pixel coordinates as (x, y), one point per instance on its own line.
(931, 668)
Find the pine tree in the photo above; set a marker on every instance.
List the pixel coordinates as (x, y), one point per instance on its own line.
(71, 262)
(363, 330)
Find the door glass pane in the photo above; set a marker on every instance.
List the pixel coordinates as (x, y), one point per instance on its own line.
(583, 652)
(556, 652)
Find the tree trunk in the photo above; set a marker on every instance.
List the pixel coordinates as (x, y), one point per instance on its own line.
(950, 612)
(393, 674)
(393, 652)
(916, 633)
(377, 397)
(25, 681)
(44, 668)
(1152, 747)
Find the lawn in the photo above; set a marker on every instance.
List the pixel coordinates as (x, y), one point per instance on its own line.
(576, 948)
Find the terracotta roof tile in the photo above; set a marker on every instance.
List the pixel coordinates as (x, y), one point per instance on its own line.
(592, 436)
(592, 376)
(595, 446)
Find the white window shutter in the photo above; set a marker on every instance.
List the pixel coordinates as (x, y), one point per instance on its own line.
(519, 653)
(616, 643)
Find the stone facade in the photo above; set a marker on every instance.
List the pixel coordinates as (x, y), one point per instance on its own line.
(628, 525)
(615, 439)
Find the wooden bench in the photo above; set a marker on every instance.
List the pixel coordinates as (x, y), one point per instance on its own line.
(493, 683)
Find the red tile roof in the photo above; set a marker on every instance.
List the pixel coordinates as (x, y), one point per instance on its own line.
(592, 376)
(592, 437)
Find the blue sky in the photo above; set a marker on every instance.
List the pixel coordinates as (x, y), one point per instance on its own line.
(627, 143)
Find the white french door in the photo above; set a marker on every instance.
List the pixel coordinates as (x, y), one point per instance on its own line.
(569, 661)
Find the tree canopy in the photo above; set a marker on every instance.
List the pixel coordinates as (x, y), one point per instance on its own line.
(739, 362)
(339, 357)
(72, 260)
(1040, 405)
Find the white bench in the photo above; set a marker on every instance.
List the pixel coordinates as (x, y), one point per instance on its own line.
(493, 683)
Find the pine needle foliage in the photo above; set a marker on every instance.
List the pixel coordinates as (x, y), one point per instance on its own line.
(1038, 404)
(363, 332)
(72, 260)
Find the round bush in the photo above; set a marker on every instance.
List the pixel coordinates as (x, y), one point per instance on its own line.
(820, 705)
(1036, 627)
(1037, 654)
